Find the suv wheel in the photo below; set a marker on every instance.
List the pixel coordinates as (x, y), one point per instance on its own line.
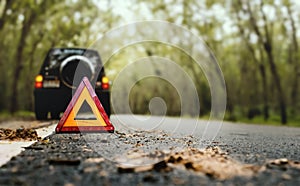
(54, 115)
(41, 115)
(76, 64)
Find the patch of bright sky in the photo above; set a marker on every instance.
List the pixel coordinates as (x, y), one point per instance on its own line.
(125, 9)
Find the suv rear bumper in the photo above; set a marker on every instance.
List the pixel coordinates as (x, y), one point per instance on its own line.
(56, 100)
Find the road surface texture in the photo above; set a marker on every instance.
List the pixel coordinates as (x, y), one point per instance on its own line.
(155, 151)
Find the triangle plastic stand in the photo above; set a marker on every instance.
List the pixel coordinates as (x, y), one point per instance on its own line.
(100, 121)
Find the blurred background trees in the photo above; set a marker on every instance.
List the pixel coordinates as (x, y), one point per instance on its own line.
(256, 44)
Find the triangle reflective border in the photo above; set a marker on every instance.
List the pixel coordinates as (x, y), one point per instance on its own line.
(70, 123)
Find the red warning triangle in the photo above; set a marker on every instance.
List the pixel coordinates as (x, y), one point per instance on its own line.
(71, 123)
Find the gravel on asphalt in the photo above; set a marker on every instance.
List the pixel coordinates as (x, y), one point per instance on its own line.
(139, 158)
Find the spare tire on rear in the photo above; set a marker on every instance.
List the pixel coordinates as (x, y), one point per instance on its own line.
(79, 65)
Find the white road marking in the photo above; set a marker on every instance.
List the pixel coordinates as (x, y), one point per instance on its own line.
(10, 149)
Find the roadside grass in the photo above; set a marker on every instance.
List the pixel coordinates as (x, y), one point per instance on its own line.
(273, 120)
(19, 115)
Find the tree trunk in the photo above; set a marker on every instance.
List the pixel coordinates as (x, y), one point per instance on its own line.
(265, 91)
(260, 65)
(27, 23)
(30, 81)
(269, 50)
(267, 45)
(277, 82)
(8, 4)
(294, 61)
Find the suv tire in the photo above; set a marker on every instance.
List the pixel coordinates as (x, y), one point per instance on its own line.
(41, 115)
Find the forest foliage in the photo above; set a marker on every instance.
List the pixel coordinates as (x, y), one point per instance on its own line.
(255, 42)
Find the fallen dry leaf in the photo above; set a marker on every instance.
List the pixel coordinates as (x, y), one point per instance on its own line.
(125, 168)
(94, 160)
(282, 163)
(211, 161)
(18, 134)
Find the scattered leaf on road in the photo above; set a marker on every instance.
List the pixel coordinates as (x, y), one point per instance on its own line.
(18, 134)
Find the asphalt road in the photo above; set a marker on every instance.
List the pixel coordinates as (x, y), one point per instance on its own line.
(95, 159)
(248, 143)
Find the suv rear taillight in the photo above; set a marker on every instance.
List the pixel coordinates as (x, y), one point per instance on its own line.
(105, 83)
(38, 81)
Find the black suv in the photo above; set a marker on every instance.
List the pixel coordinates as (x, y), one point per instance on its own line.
(61, 73)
